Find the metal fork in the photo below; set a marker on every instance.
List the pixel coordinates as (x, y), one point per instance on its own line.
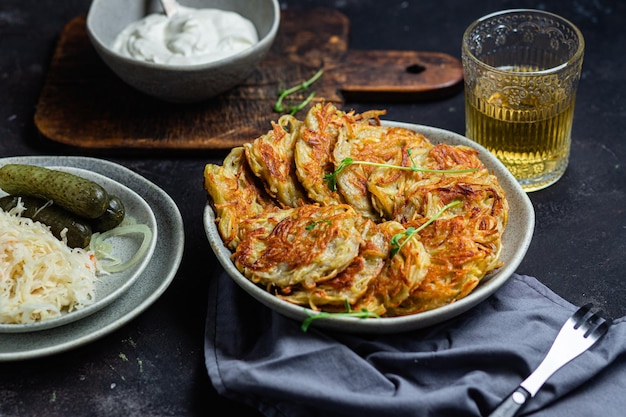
(577, 335)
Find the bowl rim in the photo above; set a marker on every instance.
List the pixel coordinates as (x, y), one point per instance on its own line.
(264, 43)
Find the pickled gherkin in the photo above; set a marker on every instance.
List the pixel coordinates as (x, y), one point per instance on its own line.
(78, 195)
(77, 230)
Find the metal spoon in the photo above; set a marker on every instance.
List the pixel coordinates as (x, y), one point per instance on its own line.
(170, 7)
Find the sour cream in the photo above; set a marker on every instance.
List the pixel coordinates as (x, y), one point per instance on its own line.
(191, 36)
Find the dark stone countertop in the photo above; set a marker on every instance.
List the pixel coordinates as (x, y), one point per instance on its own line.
(154, 365)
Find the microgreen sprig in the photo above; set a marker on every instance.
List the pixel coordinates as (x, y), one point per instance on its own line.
(283, 93)
(331, 179)
(314, 223)
(363, 314)
(396, 245)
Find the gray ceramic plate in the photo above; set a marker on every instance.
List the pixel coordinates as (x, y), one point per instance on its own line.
(108, 287)
(156, 276)
(516, 240)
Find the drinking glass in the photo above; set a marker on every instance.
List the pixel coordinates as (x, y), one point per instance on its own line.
(521, 69)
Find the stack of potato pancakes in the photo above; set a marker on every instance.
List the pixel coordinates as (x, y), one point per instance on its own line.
(337, 212)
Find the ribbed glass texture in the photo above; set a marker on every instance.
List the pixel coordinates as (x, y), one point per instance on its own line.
(522, 69)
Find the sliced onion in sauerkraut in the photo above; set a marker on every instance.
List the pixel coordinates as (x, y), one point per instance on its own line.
(102, 250)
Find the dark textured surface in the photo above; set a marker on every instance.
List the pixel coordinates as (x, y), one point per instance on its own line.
(154, 365)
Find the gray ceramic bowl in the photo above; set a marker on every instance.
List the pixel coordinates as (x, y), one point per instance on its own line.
(180, 83)
(516, 240)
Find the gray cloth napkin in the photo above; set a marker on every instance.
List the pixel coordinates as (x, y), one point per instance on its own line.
(462, 367)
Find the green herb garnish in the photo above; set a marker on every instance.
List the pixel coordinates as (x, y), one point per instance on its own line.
(396, 245)
(331, 179)
(314, 223)
(280, 108)
(363, 314)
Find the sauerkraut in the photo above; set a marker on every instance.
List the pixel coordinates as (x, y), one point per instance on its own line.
(40, 276)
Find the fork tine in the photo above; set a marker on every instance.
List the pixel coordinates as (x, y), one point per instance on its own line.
(601, 326)
(589, 322)
(580, 316)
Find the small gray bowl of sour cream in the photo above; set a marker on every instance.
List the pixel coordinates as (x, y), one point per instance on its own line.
(207, 48)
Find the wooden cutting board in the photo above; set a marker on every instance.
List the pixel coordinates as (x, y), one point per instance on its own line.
(84, 104)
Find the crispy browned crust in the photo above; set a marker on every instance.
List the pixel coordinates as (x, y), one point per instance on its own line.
(326, 249)
(314, 147)
(271, 158)
(235, 195)
(353, 282)
(364, 142)
(301, 246)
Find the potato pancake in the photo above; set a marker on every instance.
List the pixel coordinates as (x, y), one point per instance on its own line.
(341, 213)
(404, 271)
(461, 248)
(350, 284)
(409, 195)
(235, 195)
(314, 148)
(304, 245)
(313, 152)
(379, 144)
(270, 158)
